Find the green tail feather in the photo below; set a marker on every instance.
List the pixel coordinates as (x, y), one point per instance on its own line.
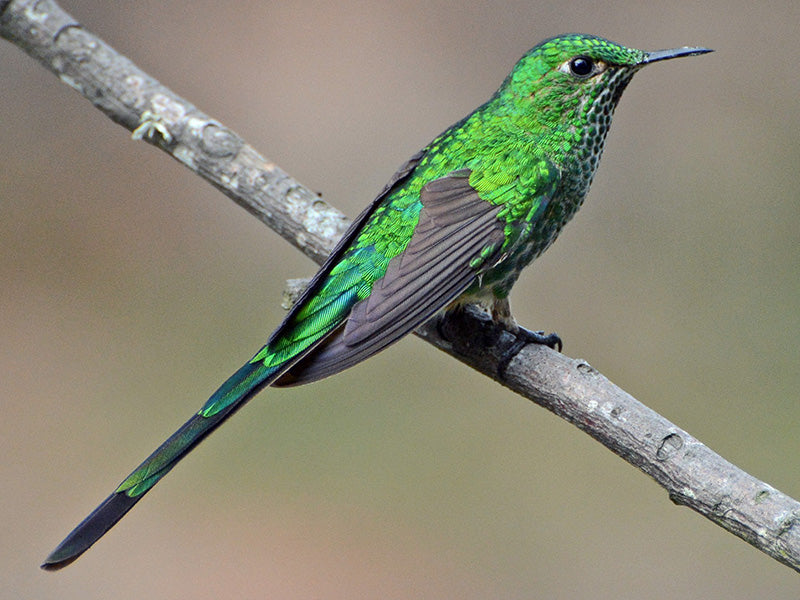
(231, 396)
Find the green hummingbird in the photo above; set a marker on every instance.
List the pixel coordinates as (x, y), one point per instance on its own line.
(455, 225)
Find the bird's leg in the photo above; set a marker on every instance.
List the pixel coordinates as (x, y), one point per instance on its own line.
(452, 320)
(501, 313)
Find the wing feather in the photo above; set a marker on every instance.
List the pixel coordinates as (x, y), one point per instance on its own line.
(458, 235)
(342, 246)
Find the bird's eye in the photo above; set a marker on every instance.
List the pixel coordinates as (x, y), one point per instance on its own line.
(581, 66)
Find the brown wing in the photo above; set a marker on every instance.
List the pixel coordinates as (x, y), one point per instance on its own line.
(458, 235)
(344, 242)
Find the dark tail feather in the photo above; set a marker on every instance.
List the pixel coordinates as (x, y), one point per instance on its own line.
(90, 530)
(233, 394)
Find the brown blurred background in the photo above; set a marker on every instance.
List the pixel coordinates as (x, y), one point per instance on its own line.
(131, 289)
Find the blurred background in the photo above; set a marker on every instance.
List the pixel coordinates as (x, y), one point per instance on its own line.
(131, 289)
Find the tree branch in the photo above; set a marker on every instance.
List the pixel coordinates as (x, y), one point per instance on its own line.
(692, 474)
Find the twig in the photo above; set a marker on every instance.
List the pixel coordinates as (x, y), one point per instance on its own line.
(692, 474)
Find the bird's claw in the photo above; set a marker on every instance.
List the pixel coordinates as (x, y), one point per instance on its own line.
(551, 340)
(525, 337)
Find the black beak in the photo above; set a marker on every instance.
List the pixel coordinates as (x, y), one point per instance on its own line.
(674, 53)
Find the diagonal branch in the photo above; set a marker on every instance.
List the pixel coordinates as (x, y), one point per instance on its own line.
(692, 474)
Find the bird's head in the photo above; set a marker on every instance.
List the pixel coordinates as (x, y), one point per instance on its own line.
(574, 80)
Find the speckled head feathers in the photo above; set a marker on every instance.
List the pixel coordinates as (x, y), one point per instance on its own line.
(557, 49)
(577, 57)
(563, 79)
(570, 61)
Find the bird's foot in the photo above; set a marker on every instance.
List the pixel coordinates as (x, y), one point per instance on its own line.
(500, 311)
(551, 340)
(525, 337)
(492, 332)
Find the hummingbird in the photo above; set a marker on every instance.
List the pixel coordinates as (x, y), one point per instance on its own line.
(455, 225)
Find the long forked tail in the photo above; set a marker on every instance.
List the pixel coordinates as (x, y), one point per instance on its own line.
(232, 395)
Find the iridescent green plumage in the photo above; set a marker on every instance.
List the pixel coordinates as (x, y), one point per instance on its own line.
(456, 224)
